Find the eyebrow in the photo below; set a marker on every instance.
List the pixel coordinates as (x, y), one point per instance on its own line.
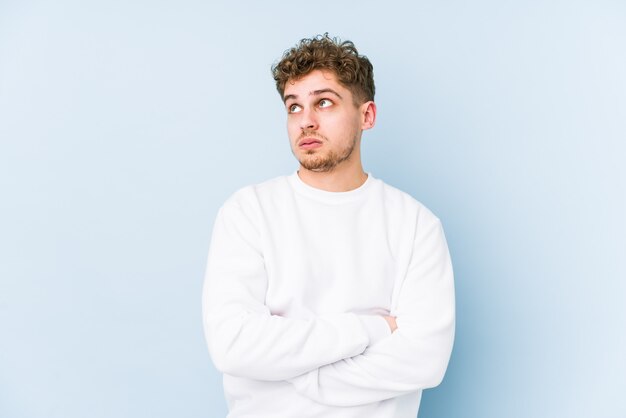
(313, 93)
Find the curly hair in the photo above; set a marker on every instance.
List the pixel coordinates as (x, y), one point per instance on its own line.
(354, 71)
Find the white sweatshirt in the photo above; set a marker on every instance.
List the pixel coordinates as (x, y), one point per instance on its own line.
(296, 283)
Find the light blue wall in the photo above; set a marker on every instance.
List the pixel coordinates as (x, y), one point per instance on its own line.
(124, 125)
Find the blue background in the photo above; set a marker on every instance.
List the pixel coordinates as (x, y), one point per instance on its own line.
(125, 125)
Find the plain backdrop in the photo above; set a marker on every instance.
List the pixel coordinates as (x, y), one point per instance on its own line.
(124, 125)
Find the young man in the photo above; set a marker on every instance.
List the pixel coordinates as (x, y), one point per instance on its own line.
(328, 293)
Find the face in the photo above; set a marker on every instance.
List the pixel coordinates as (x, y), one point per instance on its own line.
(323, 123)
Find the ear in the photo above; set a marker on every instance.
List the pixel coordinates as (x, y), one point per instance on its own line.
(368, 115)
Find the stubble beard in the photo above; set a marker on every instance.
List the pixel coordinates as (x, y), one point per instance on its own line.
(316, 161)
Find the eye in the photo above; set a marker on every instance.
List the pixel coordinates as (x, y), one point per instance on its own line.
(325, 103)
(294, 108)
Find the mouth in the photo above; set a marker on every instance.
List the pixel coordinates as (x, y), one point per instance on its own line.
(309, 143)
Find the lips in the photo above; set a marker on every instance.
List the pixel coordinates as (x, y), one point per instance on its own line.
(309, 143)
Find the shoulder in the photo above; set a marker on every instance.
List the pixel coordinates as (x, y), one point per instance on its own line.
(249, 198)
(398, 200)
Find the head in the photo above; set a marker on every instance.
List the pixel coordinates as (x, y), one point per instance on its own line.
(353, 71)
(328, 91)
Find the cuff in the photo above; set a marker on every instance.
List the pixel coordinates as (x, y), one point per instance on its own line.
(376, 327)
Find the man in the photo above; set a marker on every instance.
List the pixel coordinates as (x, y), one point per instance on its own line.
(328, 293)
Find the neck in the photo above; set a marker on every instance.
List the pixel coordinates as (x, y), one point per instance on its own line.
(339, 179)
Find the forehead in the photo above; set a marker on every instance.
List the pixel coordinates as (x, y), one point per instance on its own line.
(314, 81)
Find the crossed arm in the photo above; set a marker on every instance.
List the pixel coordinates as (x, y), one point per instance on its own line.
(416, 355)
(340, 359)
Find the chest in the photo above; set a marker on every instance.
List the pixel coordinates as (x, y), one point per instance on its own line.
(325, 259)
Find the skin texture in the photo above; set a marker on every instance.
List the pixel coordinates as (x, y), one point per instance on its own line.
(321, 111)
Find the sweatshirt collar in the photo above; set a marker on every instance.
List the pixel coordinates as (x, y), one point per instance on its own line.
(329, 197)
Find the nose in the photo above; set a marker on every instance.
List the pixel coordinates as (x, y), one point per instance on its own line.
(308, 120)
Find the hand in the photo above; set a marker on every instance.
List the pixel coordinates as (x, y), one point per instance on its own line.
(391, 320)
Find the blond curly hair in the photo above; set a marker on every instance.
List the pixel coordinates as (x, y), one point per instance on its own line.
(354, 71)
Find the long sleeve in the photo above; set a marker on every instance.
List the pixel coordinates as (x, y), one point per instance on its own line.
(244, 338)
(416, 355)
